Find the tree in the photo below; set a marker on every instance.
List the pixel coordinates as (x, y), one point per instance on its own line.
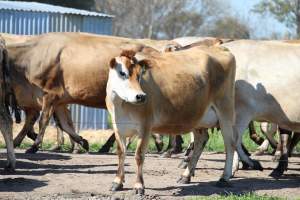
(160, 18)
(285, 11)
(230, 27)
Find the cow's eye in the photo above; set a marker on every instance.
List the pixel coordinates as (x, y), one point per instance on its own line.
(123, 74)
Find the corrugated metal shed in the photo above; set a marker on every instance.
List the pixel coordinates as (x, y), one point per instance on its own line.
(40, 7)
(31, 18)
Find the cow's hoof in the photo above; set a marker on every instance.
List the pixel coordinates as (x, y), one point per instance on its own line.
(222, 183)
(258, 152)
(257, 165)
(116, 187)
(75, 151)
(104, 149)
(276, 157)
(85, 144)
(56, 148)
(32, 150)
(139, 191)
(166, 154)
(17, 143)
(245, 166)
(276, 173)
(183, 164)
(184, 180)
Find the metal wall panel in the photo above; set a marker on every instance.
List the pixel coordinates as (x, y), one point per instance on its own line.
(32, 23)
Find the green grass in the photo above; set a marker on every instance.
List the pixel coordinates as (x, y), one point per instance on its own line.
(214, 144)
(248, 196)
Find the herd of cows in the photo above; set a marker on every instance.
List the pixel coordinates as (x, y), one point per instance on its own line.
(166, 87)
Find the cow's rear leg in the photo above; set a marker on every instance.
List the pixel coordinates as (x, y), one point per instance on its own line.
(188, 153)
(6, 129)
(117, 184)
(30, 118)
(270, 131)
(253, 135)
(225, 111)
(66, 123)
(47, 111)
(200, 139)
(60, 140)
(174, 146)
(283, 161)
(158, 140)
(60, 135)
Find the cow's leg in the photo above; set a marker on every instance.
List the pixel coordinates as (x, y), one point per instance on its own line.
(243, 118)
(59, 135)
(253, 135)
(188, 153)
(30, 118)
(201, 137)
(60, 140)
(174, 147)
(262, 148)
(109, 144)
(294, 142)
(47, 111)
(225, 112)
(278, 151)
(283, 161)
(6, 129)
(270, 130)
(168, 153)
(117, 184)
(64, 117)
(141, 148)
(158, 139)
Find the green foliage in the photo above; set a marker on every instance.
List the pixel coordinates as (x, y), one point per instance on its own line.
(230, 27)
(285, 11)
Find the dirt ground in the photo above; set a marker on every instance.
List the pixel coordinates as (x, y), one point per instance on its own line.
(47, 175)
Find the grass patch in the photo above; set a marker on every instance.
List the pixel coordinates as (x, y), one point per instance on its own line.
(248, 196)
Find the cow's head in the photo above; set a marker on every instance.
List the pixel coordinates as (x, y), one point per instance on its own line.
(125, 77)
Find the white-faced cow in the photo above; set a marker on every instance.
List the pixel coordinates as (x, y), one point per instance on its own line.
(171, 96)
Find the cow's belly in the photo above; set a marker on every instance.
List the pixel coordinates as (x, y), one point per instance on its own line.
(276, 102)
(206, 120)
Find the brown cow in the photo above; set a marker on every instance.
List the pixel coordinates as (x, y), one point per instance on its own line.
(173, 95)
(63, 72)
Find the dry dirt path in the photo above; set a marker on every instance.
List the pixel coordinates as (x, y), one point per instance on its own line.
(49, 175)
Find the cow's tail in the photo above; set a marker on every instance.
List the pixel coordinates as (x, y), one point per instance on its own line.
(8, 95)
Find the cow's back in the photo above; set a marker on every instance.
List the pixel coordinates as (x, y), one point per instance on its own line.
(268, 77)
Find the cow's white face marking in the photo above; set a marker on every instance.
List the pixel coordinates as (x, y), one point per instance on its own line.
(124, 84)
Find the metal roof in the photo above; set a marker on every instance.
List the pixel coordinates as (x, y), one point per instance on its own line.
(42, 7)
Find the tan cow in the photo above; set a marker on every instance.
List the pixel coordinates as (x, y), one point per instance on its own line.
(173, 95)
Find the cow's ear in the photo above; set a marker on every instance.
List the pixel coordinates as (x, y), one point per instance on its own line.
(112, 63)
(128, 53)
(145, 64)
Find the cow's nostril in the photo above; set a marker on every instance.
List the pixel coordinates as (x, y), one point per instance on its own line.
(141, 97)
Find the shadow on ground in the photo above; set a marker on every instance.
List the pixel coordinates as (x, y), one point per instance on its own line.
(20, 184)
